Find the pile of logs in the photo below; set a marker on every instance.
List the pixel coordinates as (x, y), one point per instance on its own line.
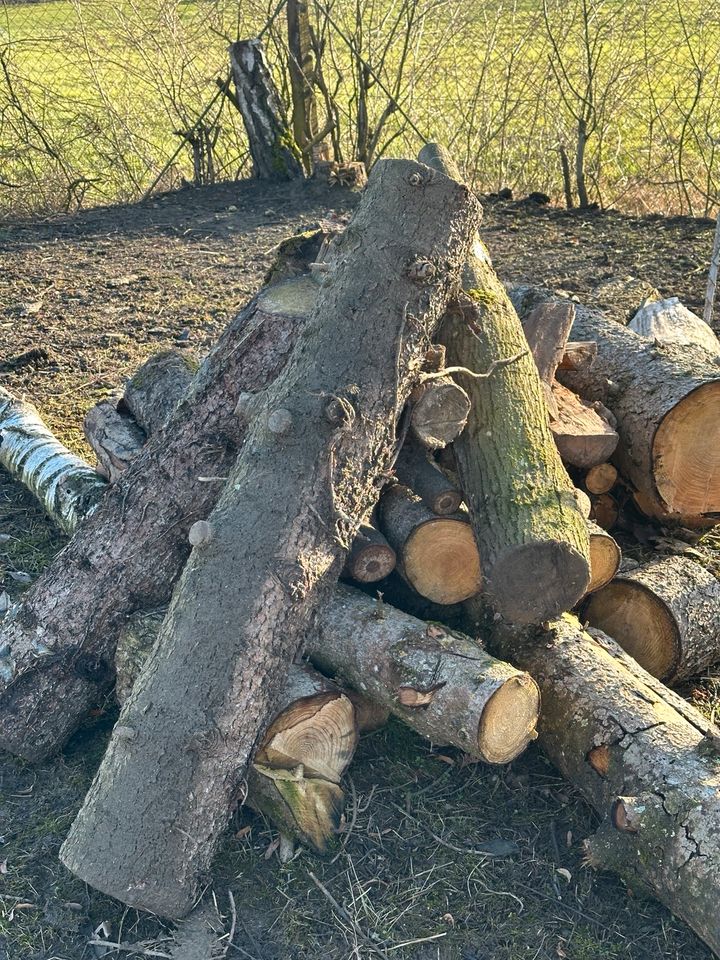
(381, 493)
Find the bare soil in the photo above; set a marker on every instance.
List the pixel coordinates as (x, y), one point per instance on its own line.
(100, 292)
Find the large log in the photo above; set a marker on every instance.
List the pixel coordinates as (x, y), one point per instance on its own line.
(273, 149)
(615, 732)
(309, 470)
(437, 556)
(666, 614)
(66, 487)
(297, 768)
(670, 321)
(531, 536)
(58, 645)
(666, 398)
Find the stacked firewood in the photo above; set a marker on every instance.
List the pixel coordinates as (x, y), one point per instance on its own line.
(385, 441)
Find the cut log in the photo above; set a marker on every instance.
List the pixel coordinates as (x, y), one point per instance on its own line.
(669, 321)
(371, 557)
(439, 410)
(114, 436)
(281, 529)
(531, 535)
(605, 557)
(601, 478)
(295, 776)
(578, 353)
(60, 641)
(152, 394)
(604, 511)
(615, 731)
(439, 683)
(667, 402)
(666, 614)
(414, 469)
(274, 153)
(66, 487)
(583, 437)
(437, 556)
(547, 327)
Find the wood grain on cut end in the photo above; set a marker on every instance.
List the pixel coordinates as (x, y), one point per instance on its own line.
(441, 560)
(639, 621)
(562, 570)
(509, 721)
(371, 557)
(605, 557)
(439, 412)
(601, 478)
(686, 453)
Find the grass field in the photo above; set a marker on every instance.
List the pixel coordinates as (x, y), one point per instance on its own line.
(93, 91)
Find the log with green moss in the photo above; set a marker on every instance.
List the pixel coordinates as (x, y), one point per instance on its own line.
(532, 538)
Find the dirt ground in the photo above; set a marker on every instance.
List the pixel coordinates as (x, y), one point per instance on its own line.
(99, 293)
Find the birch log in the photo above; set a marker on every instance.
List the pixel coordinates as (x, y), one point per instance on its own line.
(280, 532)
(66, 487)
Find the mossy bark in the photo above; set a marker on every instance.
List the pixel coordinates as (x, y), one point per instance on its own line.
(532, 538)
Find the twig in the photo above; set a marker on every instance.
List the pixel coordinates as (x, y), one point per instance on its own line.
(233, 924)
(712, 277)
(136, 948)
(495, 848)
(495, 365)
(342, 912)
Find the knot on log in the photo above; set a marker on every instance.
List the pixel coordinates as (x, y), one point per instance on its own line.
(340, 412)
(280, 422)
(421, 270)
(201, 532)
(415, 179)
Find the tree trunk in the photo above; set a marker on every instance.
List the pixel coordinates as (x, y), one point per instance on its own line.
(414, 469)
(666, 399)
(669, 321)
(114, 436)
(605, 557)
(65, 485)
(301, 69)
(439, 683)
(309, 470)
(530, 533)
(60, 641)
(614, 731)
(295, 776)
(437, 556)
(273, 149)
(666, 614)
(583, 437)
(371, 557)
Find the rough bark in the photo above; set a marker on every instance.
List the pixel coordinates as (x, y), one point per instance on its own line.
(615, 731)
(304, 479)
(530, 533)
(66, 487)
(153, 393)
(666, 399)
(583, 437)
(439, 683)
(578, 353)
(437, 556)
(605, 557)
(114, 436)
(273, 149)
(59, 643)
(669, 321)
(666, 614)
(414, 469)
(371, 557)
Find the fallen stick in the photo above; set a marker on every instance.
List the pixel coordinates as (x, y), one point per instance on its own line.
(531, 536)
